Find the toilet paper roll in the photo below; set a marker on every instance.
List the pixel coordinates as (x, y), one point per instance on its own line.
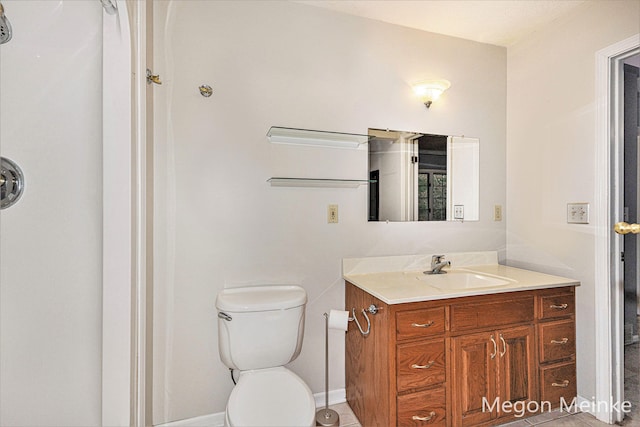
(338, 319)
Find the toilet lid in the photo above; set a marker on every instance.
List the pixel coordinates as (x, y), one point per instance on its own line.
(271, 397)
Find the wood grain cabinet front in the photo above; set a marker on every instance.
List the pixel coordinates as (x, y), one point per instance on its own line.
(490, 368)
(556, 305)
(558, 381)
(557, 346)
(446, 362)
(557, 340)
(420, 323)
(425, 408)
(420, 364)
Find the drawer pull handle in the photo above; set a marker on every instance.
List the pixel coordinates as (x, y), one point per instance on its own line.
(562, 341)
(423, 325)
(417, 418)
(559, 307)
(495, 348)
(563, 384)
(427, 366)
(504, 346)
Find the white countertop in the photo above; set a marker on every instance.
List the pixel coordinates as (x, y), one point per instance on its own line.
(410, 285)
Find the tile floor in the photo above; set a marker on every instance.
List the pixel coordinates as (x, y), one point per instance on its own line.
(347, 418)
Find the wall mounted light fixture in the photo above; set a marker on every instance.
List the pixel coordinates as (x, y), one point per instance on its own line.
(430, 90)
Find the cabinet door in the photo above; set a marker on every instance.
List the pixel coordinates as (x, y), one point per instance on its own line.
(517, 367)
(474, 359)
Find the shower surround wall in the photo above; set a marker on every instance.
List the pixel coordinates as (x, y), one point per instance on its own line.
(218, 222)
(50, 244)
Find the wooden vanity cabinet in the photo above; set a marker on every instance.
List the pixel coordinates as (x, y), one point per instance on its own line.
(431, 363)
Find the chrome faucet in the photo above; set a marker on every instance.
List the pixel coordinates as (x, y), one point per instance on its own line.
(437, 264)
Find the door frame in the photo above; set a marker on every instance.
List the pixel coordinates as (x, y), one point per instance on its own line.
(609, 294)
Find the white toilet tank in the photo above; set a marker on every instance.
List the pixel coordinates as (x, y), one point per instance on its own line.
(260, 326)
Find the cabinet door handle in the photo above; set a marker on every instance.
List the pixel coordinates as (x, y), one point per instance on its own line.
(504, 346)
(423, 325)
(418, 418)
(562, 341)
(559, 307)
(495, 347)
(427, 366)
(563, 384)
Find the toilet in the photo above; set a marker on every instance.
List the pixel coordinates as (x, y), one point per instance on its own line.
(260, 329)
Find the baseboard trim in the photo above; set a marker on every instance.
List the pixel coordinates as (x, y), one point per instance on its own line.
(217, 420)
(211, 420)
(335, 396)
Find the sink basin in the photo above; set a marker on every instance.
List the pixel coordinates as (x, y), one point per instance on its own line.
(456, 279)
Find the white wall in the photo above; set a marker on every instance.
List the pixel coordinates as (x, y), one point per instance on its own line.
(50, 245)
(551, 152)
(218, 222)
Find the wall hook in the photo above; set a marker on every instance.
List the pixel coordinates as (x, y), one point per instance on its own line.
(151, 78)
(205, 90)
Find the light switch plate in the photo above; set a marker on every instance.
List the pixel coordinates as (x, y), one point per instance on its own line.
(332, 214)
(578, 213)
(497, 212)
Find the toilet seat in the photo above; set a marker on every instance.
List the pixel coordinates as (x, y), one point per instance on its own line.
(270, 397)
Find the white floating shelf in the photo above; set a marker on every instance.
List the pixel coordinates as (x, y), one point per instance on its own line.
(317, 182)
(282, 135)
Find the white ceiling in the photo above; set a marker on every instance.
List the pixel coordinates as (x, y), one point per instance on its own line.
(497, 22)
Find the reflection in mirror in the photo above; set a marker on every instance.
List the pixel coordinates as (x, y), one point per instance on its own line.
(422, 177)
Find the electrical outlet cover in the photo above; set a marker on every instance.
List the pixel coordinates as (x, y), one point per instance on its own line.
(458, 211)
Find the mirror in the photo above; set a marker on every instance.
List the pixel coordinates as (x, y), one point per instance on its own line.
(423, 177)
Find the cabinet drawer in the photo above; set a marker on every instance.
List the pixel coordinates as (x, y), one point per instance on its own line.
(424, 408)
(557, 340)
(467, 316)
(419, 323)
(553, 306)
(558, 381)
(420, 364)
